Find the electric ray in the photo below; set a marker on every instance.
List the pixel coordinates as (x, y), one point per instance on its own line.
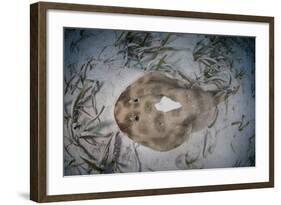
(140, 113)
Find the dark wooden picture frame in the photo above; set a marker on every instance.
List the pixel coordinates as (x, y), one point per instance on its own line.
(38, 101)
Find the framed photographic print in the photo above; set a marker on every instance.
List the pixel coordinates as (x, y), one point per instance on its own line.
(134, 102)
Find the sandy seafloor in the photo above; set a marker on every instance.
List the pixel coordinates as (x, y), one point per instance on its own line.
(96, 145)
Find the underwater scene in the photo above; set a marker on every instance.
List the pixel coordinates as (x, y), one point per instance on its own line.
(141, 101)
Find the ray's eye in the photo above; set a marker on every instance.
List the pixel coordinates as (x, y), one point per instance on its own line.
(134, 118)
(134, 100)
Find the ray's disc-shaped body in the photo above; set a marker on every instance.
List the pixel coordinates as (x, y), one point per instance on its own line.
(138, 117)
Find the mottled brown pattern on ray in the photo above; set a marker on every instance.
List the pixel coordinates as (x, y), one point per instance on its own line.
(136, 115)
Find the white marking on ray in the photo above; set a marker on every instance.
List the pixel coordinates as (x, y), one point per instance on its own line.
(167, 104)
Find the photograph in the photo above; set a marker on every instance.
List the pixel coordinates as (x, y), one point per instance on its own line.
(132, 101)
(149, 101)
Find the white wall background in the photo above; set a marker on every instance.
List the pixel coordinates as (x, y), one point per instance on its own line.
(14, 101)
